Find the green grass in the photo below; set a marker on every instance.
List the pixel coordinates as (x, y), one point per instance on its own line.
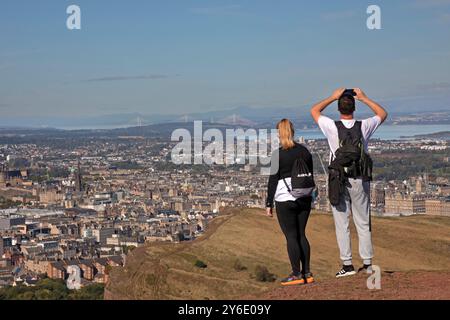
(49, 289)
(248, 236)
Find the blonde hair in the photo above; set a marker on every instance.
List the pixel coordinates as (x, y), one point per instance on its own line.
(286, 132)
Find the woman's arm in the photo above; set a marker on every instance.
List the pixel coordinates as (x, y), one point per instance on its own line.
(310, 163)
(273, 179)
(271, 189)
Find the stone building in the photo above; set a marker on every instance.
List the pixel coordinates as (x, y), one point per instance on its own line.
(401, 203)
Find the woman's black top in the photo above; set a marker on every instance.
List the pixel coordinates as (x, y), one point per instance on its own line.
(286, 162)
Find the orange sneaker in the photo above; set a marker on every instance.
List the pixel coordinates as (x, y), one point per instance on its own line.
(293, 280)
(309, 278)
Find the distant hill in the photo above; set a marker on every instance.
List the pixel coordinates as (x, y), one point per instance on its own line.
(162, 130)
(249, 115)
(444, 135)
(167, 271)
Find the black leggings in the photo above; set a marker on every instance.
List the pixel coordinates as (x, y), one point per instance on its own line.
(293, 217)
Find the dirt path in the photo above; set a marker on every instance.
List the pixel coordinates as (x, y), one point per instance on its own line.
(394, 286)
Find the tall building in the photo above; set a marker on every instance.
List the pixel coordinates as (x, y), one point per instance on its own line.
(78, 180)
(2, 175)
(377, 197)
(420, 185)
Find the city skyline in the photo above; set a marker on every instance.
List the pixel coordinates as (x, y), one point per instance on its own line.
(142, 155)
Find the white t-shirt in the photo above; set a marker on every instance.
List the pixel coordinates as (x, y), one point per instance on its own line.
(329, 129)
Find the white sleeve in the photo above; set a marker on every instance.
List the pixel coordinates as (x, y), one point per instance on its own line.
(327, 126)
(369, 126)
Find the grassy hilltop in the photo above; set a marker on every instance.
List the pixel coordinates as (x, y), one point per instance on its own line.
(240, 240)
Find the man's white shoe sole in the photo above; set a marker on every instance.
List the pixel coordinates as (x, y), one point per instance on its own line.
(347, 274)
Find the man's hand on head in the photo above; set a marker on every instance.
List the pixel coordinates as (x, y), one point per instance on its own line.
(376, 108)
(360, 95)
(337, 93)
(317, 109)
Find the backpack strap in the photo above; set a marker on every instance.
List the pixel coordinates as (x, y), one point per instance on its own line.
(287, 186)
(358, 126)
(344, 132)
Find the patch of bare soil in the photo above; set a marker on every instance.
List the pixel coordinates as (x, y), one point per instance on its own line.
(417, 285)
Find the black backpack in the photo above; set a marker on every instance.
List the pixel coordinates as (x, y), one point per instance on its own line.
(351, 161)
(302, 180)
(351, 154)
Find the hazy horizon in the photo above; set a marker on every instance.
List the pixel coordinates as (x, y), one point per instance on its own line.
(184, 57)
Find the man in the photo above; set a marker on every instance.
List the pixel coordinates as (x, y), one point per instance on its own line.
(354, 192)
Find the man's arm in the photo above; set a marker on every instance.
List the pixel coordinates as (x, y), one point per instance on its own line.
(317, 109)
(376, 108)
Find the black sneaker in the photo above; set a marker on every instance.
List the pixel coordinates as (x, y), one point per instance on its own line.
(365, 268)
(346, 271)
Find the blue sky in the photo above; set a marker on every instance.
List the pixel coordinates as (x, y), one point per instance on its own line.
(189, 56)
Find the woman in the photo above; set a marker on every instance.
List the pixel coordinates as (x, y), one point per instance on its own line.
(292, 213)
